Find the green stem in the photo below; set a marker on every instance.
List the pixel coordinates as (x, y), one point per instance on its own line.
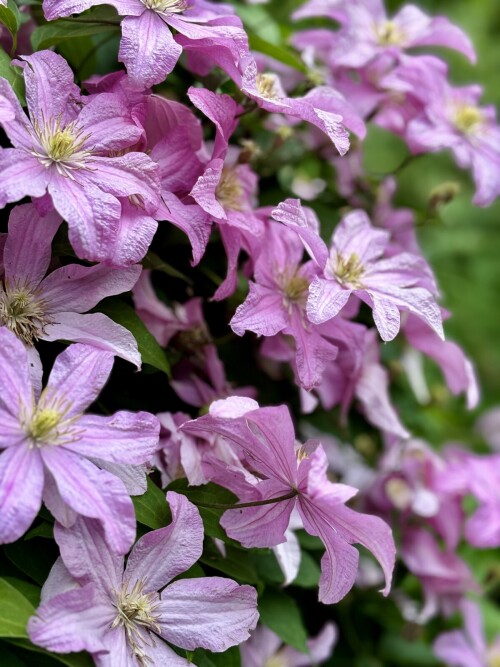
(256, 503)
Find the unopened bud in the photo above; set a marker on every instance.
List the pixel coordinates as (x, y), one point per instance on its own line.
(443, 194)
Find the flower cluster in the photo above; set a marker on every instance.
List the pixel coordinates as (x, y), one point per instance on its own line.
(231, 378)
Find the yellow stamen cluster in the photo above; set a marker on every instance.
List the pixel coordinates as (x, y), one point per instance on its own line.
(266, 85)
(47, 423)
(277, 661)
(294, 288)
(389, 34)
(493, 658)
(136, 612)
(22, 312)
(349, 271)
(167, 6)
(467, 118)
(230, 191)
(61, 145)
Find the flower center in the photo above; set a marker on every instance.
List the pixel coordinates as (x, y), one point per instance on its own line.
(266, 86)
(167, 6)
(294, 288)
(48, 424)
(22, 312)
(136, 612)
(389, 34)
(230, 191)
(61, 146)
(277, 661)
(467, 118)
(349, 271)
(399, 493)
(43, 424)
(493, 656)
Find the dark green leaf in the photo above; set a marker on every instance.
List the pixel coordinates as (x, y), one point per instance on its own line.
(15, 611)
(230, 658)
(13, 76)
(68, 659)
(30, 591)
(33, 561)
(405, 652)
(125, 315)
(309, 572)
(10, 16)
(236, 563)
(151, 508)
(280, 53)
(280, 613)
(45, 529)
(155, 263)
(98, 20)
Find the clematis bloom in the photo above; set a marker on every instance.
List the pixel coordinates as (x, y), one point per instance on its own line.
(51, 450)
(116, 612)
(297, 478)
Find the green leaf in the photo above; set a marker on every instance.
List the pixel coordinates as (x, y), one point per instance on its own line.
(405, 652)
(33, 561)
(230, 658)
(29, 590)
(45, 529)
(98, 20)
(15, 611)
(155, 263)
(10, 16)
(280, 53)
(68, 659)
(121, 313)
(280, 613)
(309, 572)
(236, 563)
(151, 508)
(13, 76)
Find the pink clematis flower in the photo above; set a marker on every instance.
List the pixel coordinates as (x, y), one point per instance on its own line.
(264, 648)
(453, 119)
(148, 47)
(367, 32)
(266, 438)
(355, 266)
(468, 647)
(276, 303)
(92, 602)
(52, 451)
(38, 307)
(64, 149)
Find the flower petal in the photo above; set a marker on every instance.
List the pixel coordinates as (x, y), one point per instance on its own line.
(162, 554)
(15, 383)
(212, 613)
(21, 484)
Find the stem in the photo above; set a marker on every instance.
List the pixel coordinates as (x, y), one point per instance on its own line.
(256, 503)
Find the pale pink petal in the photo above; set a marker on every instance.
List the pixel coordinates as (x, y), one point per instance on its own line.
(262, 312)
(22, 176)
(134, 235)
(54, 9)
(78, 375)
(125, 437)
(98, 331)
(453, 649)
(107, 120)
(51, 92)
(59, 581)
(130, 174)
(291, 214)
(71, 622)
(27, 251)
(18, 128)
(15, 383)
(94, 493)
(21, 484)
(148, 49)
(92, 216)
(326, 299)
(87, 556)
(191, 219)
(212, 613)
(204, 191)
(179, 164)
(162, 554)
(76, 288)
(288, 555)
